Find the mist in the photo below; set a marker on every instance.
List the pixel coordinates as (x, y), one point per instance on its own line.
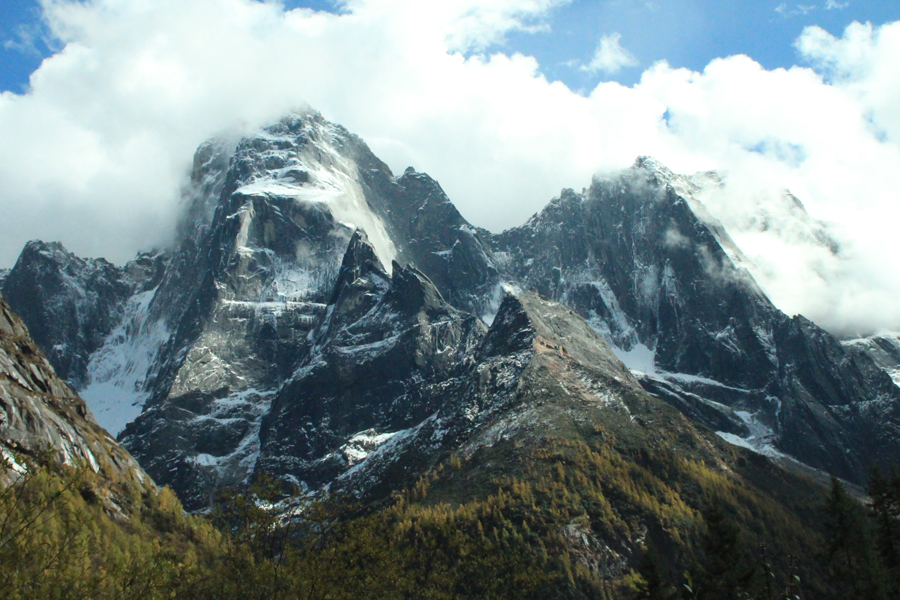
(96, 153)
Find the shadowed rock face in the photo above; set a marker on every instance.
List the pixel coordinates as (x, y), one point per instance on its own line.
(539, 373)
(384, 359)
(40, 413)
(246, 291)
(318, 314)
(72, 304)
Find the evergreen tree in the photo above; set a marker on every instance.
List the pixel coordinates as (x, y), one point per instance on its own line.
(766, 587)
(724, 574)
(885, 504)
(654, 584)
(853, 567)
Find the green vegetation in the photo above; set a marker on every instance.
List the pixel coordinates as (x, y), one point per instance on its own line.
(66, 533)
(585, 518)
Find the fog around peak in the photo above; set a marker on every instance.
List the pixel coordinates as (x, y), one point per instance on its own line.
(96, 153)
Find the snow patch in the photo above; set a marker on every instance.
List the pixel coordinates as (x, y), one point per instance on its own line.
(360, 445)
(884, 349)
(117, 371)
(761, 439)
(496, 299)
(251, 405)
(332, 179)
(685, 378)
(639, 359)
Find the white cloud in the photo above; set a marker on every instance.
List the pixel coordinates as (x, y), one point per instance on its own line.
(610, 56)
(796, 10)
(834, 5)
(95, 154)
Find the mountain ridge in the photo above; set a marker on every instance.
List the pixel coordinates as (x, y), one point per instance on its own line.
(264, 263)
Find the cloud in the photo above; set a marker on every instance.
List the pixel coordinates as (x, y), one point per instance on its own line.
(96, 152)
(796, 10)
(610, 56)
(834, 5)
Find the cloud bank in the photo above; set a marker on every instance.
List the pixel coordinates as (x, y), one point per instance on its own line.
(96, 152)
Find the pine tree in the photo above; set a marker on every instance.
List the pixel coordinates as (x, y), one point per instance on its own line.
(792, 590)
(885, 505)
(767, 588)
(654, 584)
(853, 567)
(724, 573)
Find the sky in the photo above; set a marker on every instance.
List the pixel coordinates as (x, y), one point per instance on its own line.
(504, 102)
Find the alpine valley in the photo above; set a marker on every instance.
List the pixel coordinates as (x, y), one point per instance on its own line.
(610, 365)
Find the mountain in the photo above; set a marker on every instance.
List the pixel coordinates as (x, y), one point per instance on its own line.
(325, 321)
(40, 414)
(882, 348)
(80, 517)
(84, 300)
(533, 428)
(387, 356)
(642, 260)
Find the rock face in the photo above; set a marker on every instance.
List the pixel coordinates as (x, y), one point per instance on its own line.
(539, 372)
(323, 320)
(385, 358)
(247, 292)
(40, 413)
(72, 304)
(883, 349)
(638, 256)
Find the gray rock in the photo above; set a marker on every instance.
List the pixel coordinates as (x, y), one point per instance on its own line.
(882, 348)
(638, 256)
(388, 355)
(39, 413)
(72, 304)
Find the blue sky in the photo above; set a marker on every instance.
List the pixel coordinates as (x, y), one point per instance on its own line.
(96, 146)
(686, 33)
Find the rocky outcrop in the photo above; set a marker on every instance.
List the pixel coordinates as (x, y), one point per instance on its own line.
(40, 414)
(389, 354)
(435, 238)
(539, 373)
(882, 348)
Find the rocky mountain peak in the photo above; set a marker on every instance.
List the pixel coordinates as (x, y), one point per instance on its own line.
(322, 311)
(512, 329)
(654, 167)
(83, 300)
(359, 265)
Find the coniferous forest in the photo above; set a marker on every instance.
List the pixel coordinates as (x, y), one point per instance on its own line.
(65, 533)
